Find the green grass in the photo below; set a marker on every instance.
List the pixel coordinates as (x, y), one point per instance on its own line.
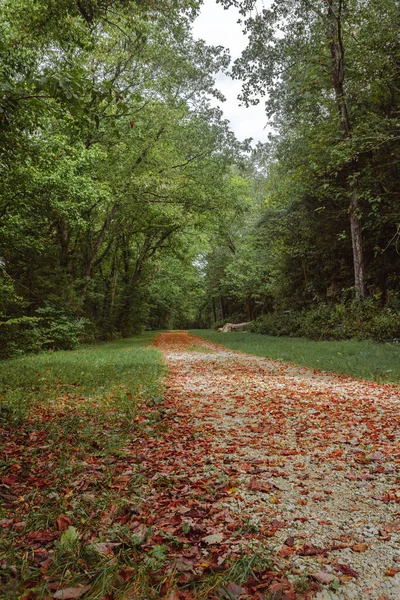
(91, 371)
(361, 359)
(67, 420)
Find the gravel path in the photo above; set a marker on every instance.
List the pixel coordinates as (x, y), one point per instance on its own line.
(314, 460)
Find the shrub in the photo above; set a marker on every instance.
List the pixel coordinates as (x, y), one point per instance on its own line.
(357, 319)
(51, 329)
(19, 336)
(61, 331)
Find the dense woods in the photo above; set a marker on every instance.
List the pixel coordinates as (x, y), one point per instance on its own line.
(126, 201)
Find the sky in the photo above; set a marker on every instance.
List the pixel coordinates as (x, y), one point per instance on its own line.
(219, 27)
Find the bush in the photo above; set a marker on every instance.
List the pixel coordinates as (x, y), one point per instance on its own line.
(357, 319)
(278, 323)
(19, 336)
(61, 331)
(52, 329)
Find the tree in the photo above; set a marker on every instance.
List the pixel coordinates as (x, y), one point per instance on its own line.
(335, 63)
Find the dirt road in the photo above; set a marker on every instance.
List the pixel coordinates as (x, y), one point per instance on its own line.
(262, 453)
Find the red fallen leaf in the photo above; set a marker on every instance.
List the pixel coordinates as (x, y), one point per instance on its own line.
(259, 486)
(392, 571)
(360, 547)
(71, 593)
(10, 480)
(308, 550)
(275, 524)
(245, 467)
(63, 522)
(391, 527)
(277, 586)
(42, 536)
(125, 575)
(285, 551)
(346, 570)
(289, 541)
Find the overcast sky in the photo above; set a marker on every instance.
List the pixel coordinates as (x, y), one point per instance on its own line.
(219, 27)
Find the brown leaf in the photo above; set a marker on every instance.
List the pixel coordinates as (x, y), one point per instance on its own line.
(69, 593)
(234, 590)
(346, 570)
(42, 536)
(391, 527)
(105, 547)
(392, 571)
(63, 522)
(360, 547)
(375, 456)
(307, 550)
(125, 575)
(289, 541)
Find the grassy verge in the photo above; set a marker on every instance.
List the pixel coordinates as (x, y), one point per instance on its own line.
(361, 359)
(67, 420)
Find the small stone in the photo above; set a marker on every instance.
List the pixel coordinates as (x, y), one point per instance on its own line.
(375, 456)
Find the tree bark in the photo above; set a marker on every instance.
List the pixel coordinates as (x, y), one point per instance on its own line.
(335, 10)
(221, 302)
(214, 310)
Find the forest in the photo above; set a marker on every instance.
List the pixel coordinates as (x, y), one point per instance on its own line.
(127, 203)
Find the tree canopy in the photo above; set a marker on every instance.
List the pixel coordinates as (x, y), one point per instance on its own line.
(126, 201)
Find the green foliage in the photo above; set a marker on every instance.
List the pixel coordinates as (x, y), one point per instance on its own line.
(52, 329)
(360, 320)
(112, 160)
(316, 174)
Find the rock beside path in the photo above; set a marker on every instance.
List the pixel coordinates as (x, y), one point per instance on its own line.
(228, 327)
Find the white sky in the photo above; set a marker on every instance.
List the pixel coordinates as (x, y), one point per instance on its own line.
(219, 27)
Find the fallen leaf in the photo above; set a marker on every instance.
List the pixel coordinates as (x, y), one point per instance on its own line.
(323, 577)
(216, 538)
(391, 527)
(346, 569)
(289, 541)
(105, 547)
(375, 456)
(360, 547)
(69, 593)
(308, 550)
(392, 571)
(42, 536)
(63, 522)
(234, 590)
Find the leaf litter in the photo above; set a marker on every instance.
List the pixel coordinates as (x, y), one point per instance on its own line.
(300, 461)
(252, 479)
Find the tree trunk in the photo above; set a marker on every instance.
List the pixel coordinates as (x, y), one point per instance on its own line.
(97, 246)
(221, 303)
(249, 309)
(335, 10)
(214, 310)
